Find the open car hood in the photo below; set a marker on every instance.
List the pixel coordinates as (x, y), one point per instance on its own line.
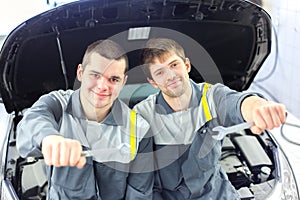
(235, 34)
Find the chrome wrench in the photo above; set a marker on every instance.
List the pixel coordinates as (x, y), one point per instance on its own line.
(222, 131)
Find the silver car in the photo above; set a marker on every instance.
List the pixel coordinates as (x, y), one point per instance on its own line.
(226, 40)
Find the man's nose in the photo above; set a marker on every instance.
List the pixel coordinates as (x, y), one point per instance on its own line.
(102, 82)
(170, 73)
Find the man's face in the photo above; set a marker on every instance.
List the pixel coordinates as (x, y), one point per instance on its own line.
(101, 81)
(170, 75)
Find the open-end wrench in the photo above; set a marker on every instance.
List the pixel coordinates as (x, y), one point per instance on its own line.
(222, 131)
(123, 148)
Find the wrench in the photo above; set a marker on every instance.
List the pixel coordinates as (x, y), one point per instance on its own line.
(123, 148)
(222, 131)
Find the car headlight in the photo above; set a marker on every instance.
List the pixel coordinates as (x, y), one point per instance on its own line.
(286, 186)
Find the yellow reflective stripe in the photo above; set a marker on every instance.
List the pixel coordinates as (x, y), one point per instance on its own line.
(205, 104)
(132, 134)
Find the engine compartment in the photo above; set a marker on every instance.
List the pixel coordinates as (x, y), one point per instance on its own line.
(249, 163)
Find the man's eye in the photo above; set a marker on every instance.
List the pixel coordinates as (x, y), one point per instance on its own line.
(174, 65)
(159, 73)
(115, 80)
(95, 75)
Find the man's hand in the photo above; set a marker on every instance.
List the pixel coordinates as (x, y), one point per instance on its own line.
(59, 151)
(265, 114)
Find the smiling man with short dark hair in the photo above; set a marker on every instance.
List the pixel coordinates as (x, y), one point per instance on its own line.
(182, 116)
(61, 124)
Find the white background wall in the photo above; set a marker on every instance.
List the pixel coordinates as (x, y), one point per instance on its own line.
(14, 12)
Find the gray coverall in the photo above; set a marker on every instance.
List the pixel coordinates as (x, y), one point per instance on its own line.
(60, 112)
(187, 157)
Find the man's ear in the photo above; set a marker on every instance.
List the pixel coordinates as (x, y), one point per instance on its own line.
(188, 65)
(125, 80)
(152, 82)
(79, 72)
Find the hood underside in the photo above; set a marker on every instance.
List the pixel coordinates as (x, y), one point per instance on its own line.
(230, 36)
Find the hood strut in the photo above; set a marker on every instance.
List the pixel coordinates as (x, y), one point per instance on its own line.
(63, 66)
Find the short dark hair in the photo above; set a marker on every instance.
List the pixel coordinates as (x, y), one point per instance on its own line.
(106, 48)
(159, 48)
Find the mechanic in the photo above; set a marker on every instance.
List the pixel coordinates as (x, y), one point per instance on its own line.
(61, 124)
(181, 117)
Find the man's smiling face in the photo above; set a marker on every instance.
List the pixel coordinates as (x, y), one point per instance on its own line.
(170, 74)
